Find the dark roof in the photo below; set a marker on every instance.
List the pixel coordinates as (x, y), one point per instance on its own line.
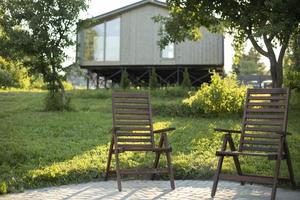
(130, 7)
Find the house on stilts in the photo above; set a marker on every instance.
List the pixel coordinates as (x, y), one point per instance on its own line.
(126, 39)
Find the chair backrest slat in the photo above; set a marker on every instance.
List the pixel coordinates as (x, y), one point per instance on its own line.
(132, 119)
(265, 118)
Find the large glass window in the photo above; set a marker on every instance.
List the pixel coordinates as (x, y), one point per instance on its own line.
(112, 49)
(102, 42)
(94, 43)
(168, 51)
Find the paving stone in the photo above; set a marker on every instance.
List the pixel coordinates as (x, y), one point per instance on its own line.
(154, 190)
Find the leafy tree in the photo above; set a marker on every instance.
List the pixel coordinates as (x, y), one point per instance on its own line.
(249, 64)
(292, 64)
(153, 81)
(40, 31)
(125, 82)
(273, 22)
(186, 82)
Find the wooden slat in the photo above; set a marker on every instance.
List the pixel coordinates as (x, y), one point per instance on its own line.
(260, 129)
(143, 171)
(266, 103)
(265, 110)
(267, 98)
(132, 112)
(273, 122)
(133, 122)
(126, 128)
(132, 117)
(133, 140)
(262, 116)
(260, 142)
(131, 101)
(268, 91)
(246, 178)
(130, 95)
(238, 153)
(137, 147)
(126, 106)
(270, 136)
(133, 134)
(256, 148)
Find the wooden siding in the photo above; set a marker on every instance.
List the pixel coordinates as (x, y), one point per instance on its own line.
(139, 36)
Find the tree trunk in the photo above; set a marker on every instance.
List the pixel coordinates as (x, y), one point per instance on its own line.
(276, 74)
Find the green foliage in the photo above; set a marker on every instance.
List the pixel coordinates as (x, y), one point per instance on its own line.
(253, 20)
(220, 96)
(6, 79)
(3, 188)
(42, 149)
(38, 33)
(186, 82)
(13, 74)
(153, 81)
(124, 82)
(249, 64)
(292, 64)
(56, 101)
(67, 85)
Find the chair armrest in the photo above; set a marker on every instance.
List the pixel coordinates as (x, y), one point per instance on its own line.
(282, 133)
(227, 130)
(112, 130)
(164, 130)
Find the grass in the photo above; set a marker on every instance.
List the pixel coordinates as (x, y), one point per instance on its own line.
(39, 149)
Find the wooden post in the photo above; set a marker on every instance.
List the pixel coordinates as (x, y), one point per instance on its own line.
(87, 82)
(97, 81)
(178, 75)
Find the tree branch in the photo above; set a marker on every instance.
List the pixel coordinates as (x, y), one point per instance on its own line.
(281, 54)
(269, 47)
(257, 47)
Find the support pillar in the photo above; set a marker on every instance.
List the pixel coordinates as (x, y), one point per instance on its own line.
(97, 81)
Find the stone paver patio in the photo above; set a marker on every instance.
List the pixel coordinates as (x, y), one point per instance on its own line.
(185, 190)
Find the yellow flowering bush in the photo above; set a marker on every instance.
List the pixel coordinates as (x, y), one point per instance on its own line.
(220, 96)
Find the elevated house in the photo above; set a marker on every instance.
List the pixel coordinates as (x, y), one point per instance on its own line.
(126, 39)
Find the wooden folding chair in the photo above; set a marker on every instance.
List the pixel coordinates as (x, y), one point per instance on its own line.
(263, 133)
(133, 131)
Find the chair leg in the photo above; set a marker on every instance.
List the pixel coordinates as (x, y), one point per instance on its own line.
(289, 164)
(157, 156)
(219, 168)
(118, 171)
(275, 182)
(169, 161)
(277, 169)
(109, 158)
(235, 158)
(216, 177)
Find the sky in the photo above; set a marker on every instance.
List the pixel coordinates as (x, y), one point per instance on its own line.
(98, 7)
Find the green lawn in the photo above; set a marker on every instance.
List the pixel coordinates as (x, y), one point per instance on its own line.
(39, 149)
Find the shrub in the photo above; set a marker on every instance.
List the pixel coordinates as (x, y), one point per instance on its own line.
(57, 101)
(221, 96)
(67, 85)
(13, 74)
(6, 79)
(186, 82)
(125, 82)
(153, 81)
(3, 188)
(291, 78)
